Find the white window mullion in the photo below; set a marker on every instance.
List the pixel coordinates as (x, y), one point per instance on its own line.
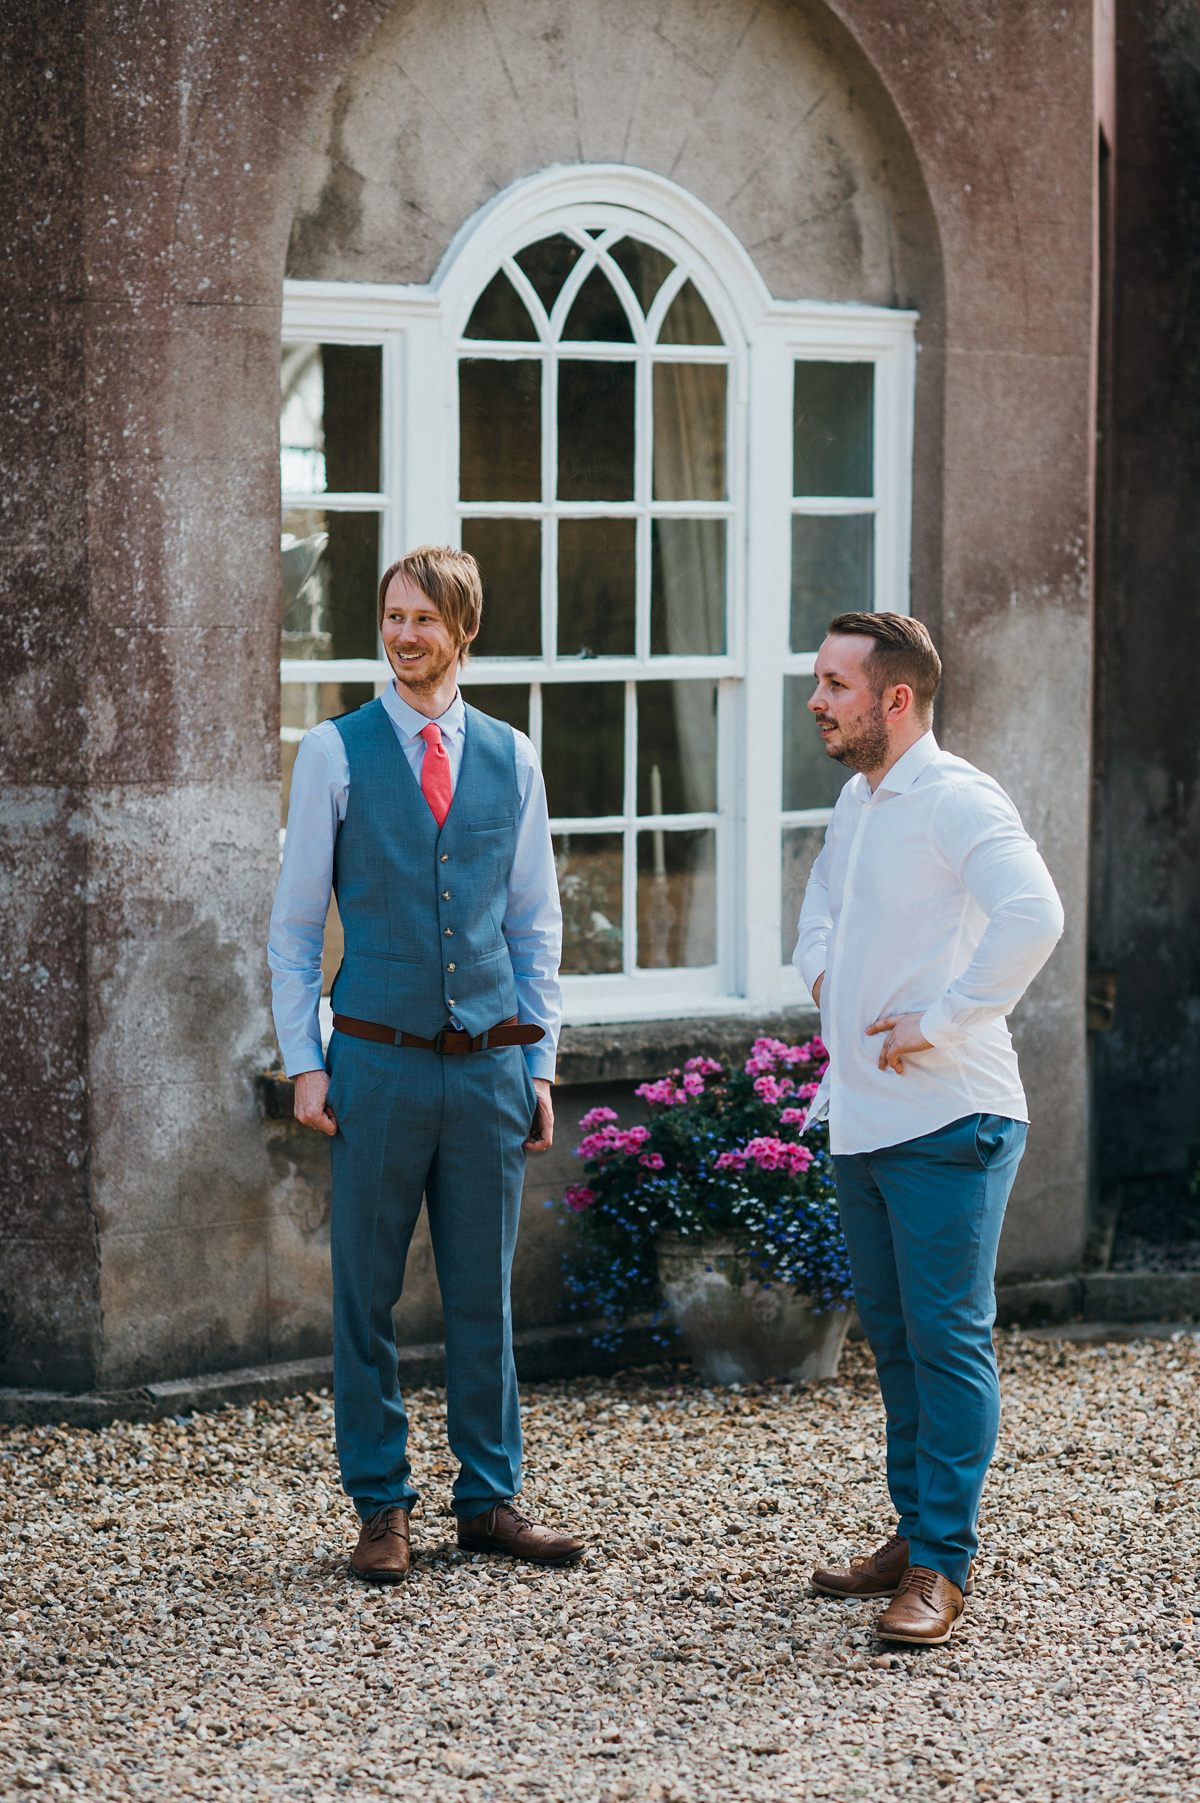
(535, 718)
(643, 465)
(549, 493)
(629, 808)
(768, 579)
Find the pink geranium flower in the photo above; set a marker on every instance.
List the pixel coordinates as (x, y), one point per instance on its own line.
(597, 1117)
(578, 1197)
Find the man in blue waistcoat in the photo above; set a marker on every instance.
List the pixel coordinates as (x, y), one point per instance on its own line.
(428, 821)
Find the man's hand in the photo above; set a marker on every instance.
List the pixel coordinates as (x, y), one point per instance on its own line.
(541, 1133)
(817, 988)
(903, 1036)
(311, 1108)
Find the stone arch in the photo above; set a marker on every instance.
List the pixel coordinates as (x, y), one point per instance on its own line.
(773, 117)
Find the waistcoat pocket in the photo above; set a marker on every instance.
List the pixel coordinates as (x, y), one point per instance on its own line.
(489, 826)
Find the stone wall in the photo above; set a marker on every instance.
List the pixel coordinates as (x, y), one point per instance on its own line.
(162, 158)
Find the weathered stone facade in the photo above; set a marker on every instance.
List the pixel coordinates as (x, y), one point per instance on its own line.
(168, 165)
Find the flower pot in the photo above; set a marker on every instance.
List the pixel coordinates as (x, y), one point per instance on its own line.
(738, 1329)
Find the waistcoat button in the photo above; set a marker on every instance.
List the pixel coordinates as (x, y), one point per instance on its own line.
(449, 932)
(449, 1001)
(445, 895)
(445, 858)
(449, 967)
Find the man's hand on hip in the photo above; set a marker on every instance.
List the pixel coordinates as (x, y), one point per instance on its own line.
(541, 1133)
(311, 1108)
(904, 1036)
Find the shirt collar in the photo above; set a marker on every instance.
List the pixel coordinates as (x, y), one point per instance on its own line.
(905, 771)
(411, 723)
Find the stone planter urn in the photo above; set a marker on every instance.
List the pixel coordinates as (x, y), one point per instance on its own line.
(738, 1329)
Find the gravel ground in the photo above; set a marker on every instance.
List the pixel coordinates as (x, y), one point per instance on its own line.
(178, 1620)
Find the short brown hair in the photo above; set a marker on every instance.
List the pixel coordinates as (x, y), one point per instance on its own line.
(452, 582)
(903, 652)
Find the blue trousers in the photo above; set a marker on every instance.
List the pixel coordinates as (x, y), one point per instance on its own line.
(922, 1222)
(413, 1123)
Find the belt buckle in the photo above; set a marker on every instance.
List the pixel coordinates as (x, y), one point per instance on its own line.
(444, 1034)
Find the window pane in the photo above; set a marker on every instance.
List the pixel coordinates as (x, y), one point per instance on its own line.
(500, 430)
(811, 779)
(589, 883)
(597, 592)
(502, 700)
(595, 431)
(302, 419)
(548, 263)
(509, 555)
(677, 747)
(833, 572)
(687, 588)
(833, 421)
(688, 320)
(677, 899)
(689, 432)
(801, 847)
(597, 314)
(330, 584)
(583, 747)
(644, 268)
(329, 414)
(500, 313)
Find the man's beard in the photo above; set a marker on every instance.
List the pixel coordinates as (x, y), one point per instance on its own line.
(864, 744)
(431, 680)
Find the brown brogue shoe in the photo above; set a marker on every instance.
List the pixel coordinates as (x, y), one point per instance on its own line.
(504, 1529)
(384, 1551)
(875, 1574)
(924, 1611)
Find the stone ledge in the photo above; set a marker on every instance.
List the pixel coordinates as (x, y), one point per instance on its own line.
(1100, 1296)
(637, 1050)
(624, 1051)
(542, 1354)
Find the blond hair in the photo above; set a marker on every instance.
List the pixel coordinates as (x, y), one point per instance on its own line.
(448, 578)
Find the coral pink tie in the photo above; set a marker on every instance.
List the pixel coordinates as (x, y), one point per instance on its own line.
(435, 774)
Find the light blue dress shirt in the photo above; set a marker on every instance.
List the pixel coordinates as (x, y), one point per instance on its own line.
(532, 924)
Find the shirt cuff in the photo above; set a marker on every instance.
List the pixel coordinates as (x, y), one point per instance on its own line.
(541, 1060)
(811, 965)
(939, 1030)
(303, 1055)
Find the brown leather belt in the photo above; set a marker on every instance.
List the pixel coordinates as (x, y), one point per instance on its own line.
(449, 1041)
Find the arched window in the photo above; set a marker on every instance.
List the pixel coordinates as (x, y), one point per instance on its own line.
(594, 492)
(670, 482)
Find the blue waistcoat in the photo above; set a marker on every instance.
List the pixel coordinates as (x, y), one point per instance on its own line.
(422, 908)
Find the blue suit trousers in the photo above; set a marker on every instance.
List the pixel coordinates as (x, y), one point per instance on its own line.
(413, 1124)
(922, 1222)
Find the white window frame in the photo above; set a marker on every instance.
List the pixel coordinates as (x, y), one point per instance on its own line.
(420, 330)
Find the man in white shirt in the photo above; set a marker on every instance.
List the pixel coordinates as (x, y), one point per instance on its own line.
(925, 918)
(428, 821)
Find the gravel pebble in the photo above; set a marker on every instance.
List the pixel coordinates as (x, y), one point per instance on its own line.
(178, 1621)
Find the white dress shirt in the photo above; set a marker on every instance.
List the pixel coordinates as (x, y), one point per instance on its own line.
(532, 924)
(928, 897)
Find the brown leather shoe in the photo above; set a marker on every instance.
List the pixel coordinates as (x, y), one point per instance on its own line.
(876, 1574)
(504, 1529)
(924, 1611)
(384, 1552)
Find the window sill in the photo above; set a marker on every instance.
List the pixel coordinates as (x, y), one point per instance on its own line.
(624, 1051)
